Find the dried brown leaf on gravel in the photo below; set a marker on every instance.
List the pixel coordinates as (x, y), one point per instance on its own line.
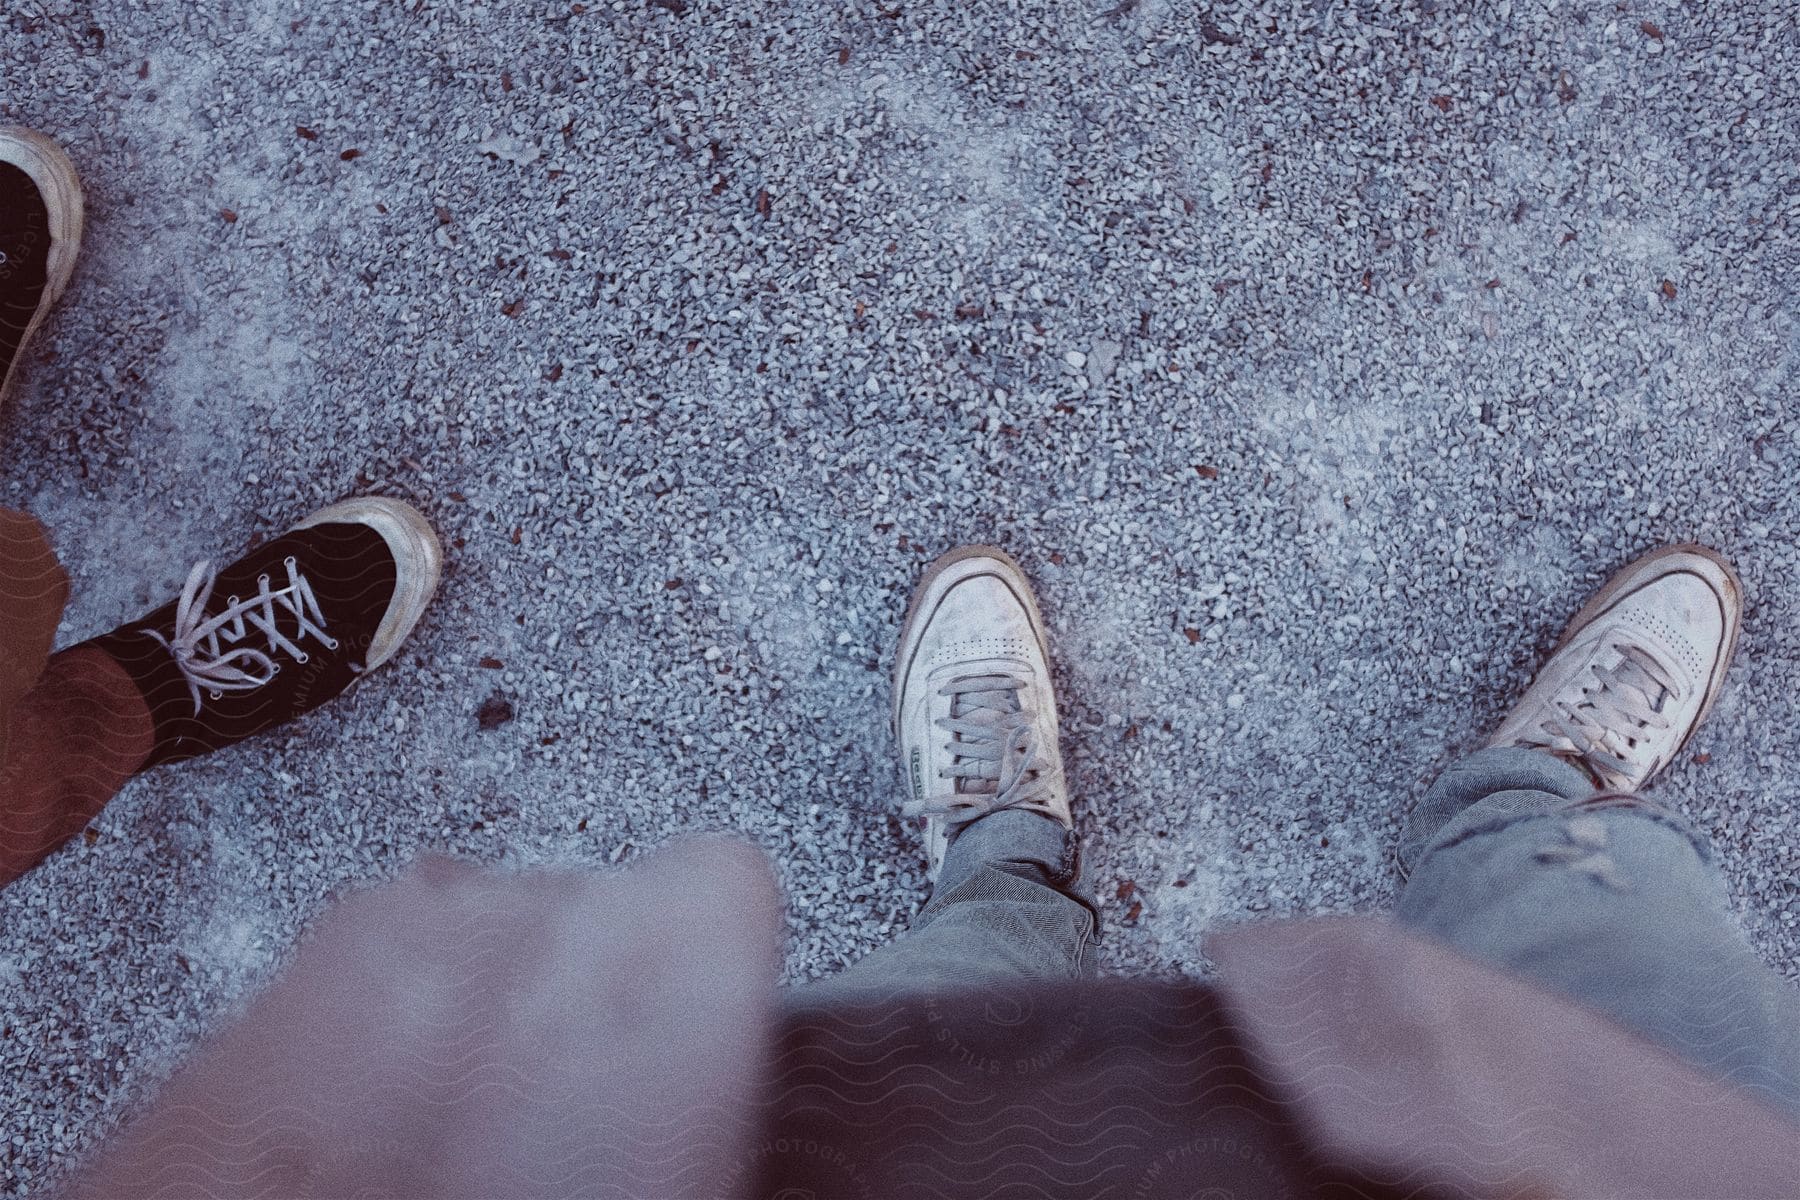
(494, 712)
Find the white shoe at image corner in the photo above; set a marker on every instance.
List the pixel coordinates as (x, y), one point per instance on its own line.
(1637, 669)
(974, 708)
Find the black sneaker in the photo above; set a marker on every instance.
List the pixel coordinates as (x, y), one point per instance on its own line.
(40, 231)
(282, 630)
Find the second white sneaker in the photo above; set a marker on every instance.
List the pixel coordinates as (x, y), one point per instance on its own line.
(1636, 671)
(974, 708)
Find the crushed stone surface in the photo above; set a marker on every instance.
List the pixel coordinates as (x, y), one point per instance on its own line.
(1317, 360)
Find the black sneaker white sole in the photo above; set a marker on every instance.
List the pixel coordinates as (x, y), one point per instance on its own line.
(261, 641)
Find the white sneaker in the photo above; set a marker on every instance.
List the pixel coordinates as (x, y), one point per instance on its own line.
(1636, 671)
(974, 710)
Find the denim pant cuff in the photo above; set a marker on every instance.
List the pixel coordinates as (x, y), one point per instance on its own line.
(1498, 783)
(1024, 844)
(1494, 787)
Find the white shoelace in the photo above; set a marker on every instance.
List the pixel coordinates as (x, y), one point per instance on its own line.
(206, 650)
(994, 753)
(1599, 730)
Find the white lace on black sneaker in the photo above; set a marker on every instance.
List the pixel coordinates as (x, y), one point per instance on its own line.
(994, 759)
(206, 649)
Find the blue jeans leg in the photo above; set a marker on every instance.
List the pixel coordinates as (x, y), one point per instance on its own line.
(1008, 905)
(1613, 901)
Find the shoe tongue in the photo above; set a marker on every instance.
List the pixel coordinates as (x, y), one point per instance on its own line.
(997, 704)
(25, 242)
(1632, 681)
(1634, 668)
(986, 783)
(994, 700)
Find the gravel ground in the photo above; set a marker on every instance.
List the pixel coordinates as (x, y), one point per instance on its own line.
(1316, 359)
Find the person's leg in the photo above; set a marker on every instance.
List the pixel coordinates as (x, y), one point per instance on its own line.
(1535, 855)
(246, 647)
(975, 720)
(1008, 905)
(72, 726)
(71, 743)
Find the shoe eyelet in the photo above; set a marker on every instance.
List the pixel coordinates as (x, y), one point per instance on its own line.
(262, 581)
(231, 601)
(276, 671)
(288, 561)
(301, 658)
(331, 643)
(217, 695)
